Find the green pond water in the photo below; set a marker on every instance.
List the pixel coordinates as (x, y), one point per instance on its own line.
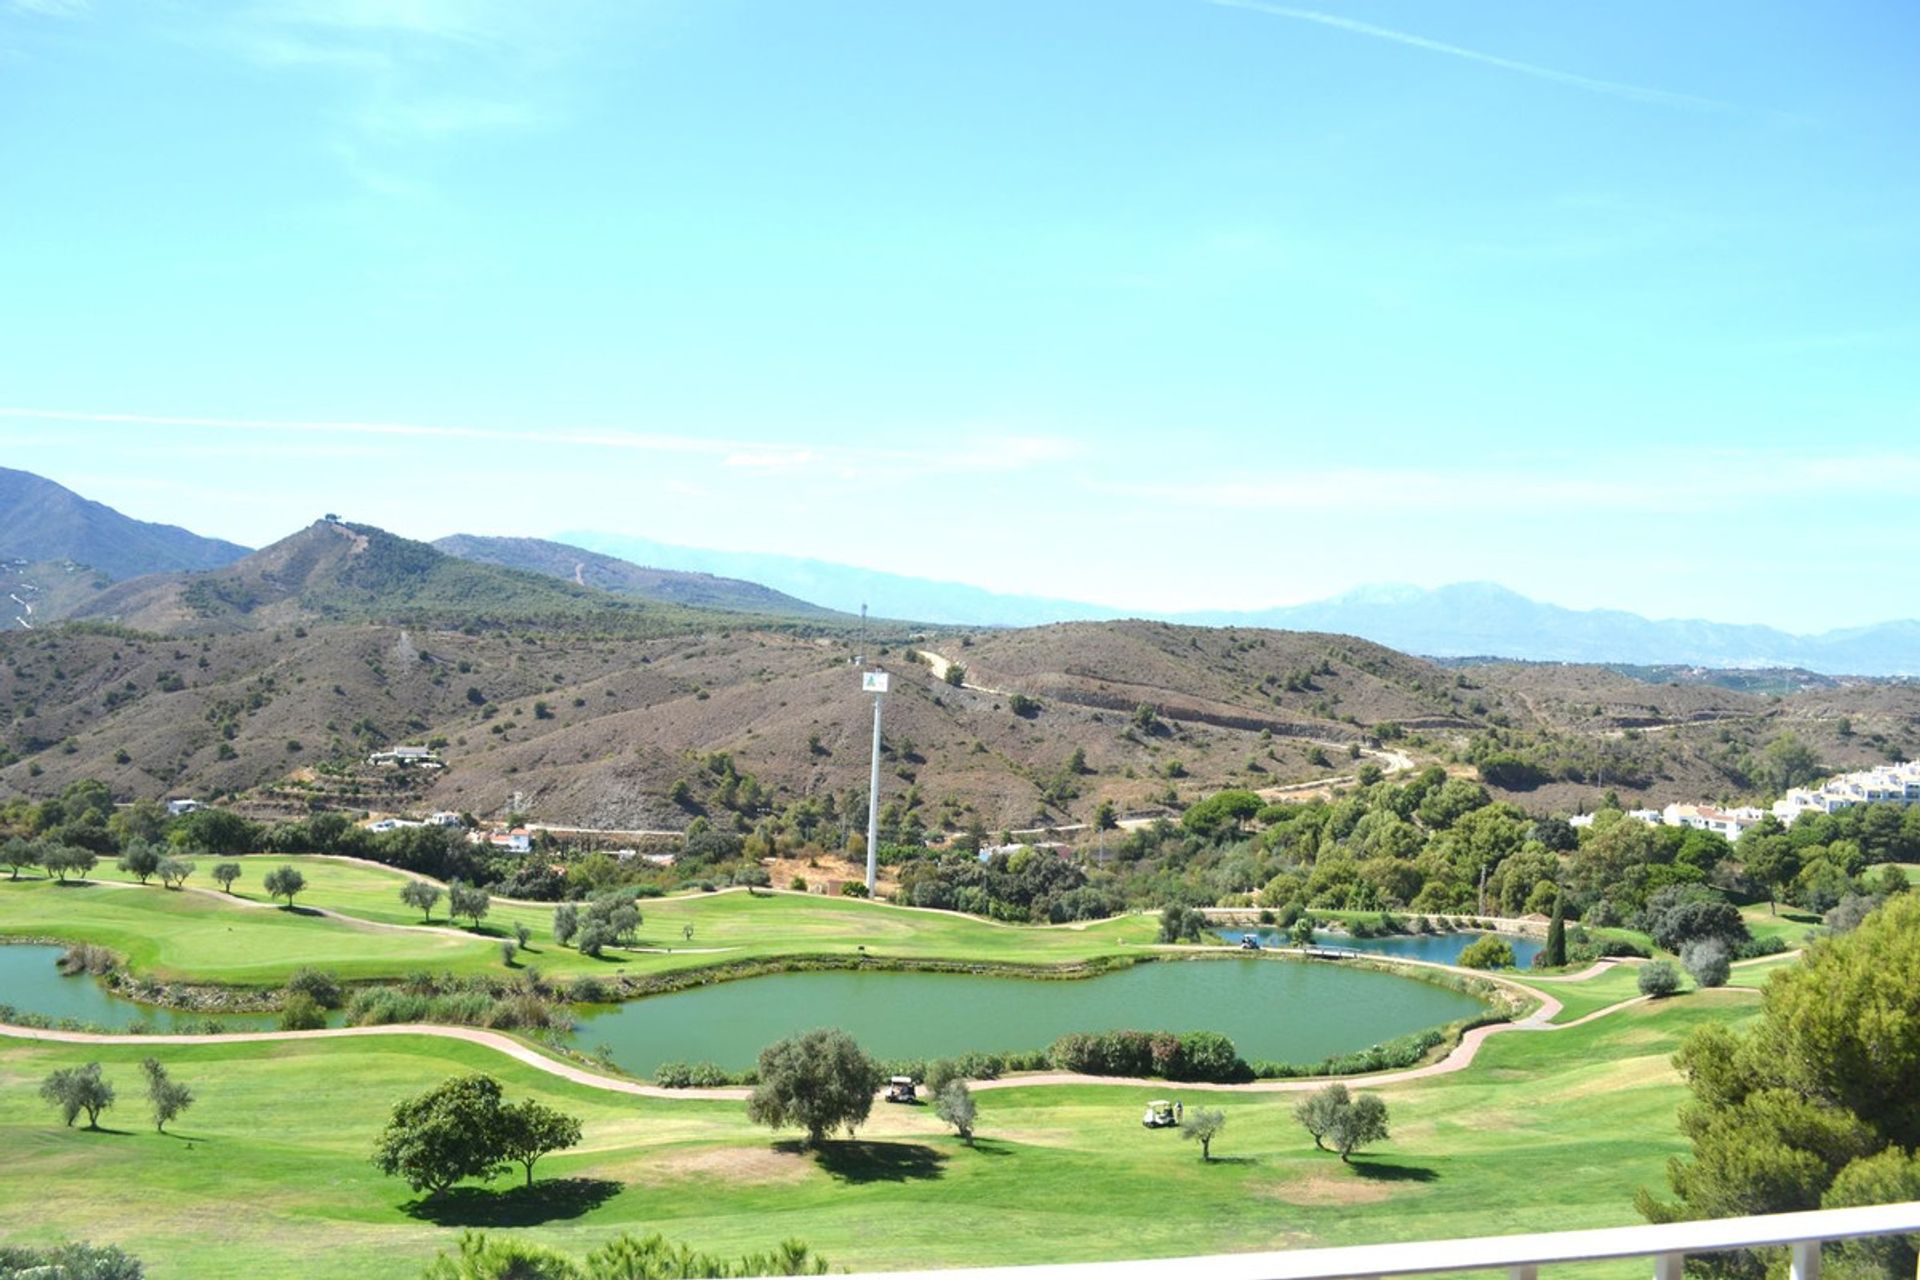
(1271, 1009)
(30, 983)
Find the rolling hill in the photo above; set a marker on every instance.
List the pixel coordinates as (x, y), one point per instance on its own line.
(43, 522)
(337, 572)
(622, 577)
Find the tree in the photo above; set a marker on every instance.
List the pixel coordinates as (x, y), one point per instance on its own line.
(1316, 1111)
(1708, 960)
(1180, 923)
(167, 1096)
(1810, 1101)
(140, 860)
(465, 900)
(20, 853)
(450, 1132)
(1301, 934)
(420, 895)
(820, 1081)
(566, 923)
(1488, 951)
(522, 935)
(1203, 1125)
(954, 1104)
(1219, 816)
(1342, 1122)
(77, 1089)
(1554, 954)
(1361, 1123)
(67, 859)
(1788, 762)
(1658, 978)
(225, 873)
(1774, 862)
(284, 882)
(530, 1129)
(174, 871)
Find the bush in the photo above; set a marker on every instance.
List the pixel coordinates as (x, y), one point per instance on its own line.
(322, 987)
(1708, 960)
(1658, 979)
(1488, 953)
(68, 1262)
(302, 1012)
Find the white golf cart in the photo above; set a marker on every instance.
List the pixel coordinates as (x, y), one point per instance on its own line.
(1159, 1114)
(900, 1089)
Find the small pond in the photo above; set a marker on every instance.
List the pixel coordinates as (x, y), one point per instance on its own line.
(1271, 1009)
(29, 982)
(1439, 948)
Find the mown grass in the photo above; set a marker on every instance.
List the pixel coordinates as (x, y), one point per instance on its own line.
(196, 936)
(268, 1175)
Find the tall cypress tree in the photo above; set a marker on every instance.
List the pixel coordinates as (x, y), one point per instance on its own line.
(1556, 949)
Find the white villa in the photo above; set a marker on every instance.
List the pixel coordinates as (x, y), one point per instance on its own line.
(1887, 784)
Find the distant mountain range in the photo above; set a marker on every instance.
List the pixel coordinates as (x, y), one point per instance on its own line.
(43, 522)
(1474, 619)
(606, 573)
(170, 577)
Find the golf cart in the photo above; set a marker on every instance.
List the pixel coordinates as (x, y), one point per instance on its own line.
(900, 1089)
(1249, 942)
(1159, 1114)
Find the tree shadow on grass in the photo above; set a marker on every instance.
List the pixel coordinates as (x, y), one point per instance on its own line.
(859, 1161)
(1382, 1171)
(989, 1146)
(551, 1201)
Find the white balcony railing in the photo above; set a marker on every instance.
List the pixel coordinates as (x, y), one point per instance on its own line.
(1665, 1246)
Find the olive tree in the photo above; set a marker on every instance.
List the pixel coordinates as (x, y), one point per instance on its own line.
(284, 882)
(566, 923)
(420, 895)
(1181, 923)
(225, 873)
(173, 871)
(955, 1106)
(167, 1096)
(77, 1089)
(820, 1082)
(465, 900)
(21, 853)
(1341, 1121)
(140, 860)
(1203, 1125)
(1708, 960)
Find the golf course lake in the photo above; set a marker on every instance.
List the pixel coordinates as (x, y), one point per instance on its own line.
(1285, 1011)
(30, 983)
(1436, 948)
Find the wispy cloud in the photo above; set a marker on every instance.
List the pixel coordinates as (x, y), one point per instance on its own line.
(1614, 88)
(1669, 484)
(399, 75)
(987, 453)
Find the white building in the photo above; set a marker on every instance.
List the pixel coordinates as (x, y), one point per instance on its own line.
(423, 757)
(445, 818)
(1886, 784)
(179, 808)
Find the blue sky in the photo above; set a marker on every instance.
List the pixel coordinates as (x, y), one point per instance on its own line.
(1164, 304)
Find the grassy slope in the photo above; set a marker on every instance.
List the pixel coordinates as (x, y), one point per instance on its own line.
(1545, 1131)
(198, 936)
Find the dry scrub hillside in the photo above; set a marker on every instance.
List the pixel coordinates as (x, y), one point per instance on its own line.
(597, 730)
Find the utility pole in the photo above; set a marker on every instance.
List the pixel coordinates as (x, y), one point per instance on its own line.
(875, 683)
